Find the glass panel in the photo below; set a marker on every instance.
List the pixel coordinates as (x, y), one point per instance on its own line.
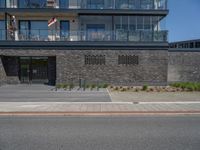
(32, 3)
(147, 4)
(122, 4)
(24, 30)
(2, 30)
(97, 4)
(33, 30)
(64, 29)
(64, 3)
(2, 3)
(39, 30)
(95, 32)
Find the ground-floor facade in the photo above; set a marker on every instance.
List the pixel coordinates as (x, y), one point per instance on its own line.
(112, 66)
(116, 67)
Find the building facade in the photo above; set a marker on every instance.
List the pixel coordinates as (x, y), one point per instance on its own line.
(119, 42)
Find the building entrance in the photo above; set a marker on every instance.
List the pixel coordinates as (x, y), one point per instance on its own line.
(34, 70)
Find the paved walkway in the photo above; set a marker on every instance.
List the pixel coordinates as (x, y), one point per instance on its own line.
(63, 107)
(154, 96)
(44, 93)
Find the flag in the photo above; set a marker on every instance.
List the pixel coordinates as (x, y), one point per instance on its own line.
(52, 21)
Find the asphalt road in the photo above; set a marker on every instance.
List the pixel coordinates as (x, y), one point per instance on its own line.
(43, 93)
(100, 133)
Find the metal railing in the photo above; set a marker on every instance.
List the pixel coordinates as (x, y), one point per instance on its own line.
(59, 35)
(85, 4)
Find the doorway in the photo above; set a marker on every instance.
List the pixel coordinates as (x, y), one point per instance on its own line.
(34, 70)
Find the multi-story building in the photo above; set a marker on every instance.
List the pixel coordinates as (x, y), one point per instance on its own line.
(186, 44)
(105, 41)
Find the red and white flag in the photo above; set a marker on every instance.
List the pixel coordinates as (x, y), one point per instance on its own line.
(52, 21)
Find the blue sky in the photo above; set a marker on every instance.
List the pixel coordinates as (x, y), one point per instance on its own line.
(183, 21)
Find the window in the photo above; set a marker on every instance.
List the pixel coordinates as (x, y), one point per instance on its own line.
(95, 60)
(64, 3)
(97, 4)
(33, 30)
(2, 30)
(197, 45)
(2, 3)
(95, 32)
(128, 60)
(32, 3)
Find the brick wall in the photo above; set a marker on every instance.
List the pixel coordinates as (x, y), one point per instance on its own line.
(70, 65)
(184, 66)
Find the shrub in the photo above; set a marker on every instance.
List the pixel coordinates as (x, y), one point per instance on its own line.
(71, 86)
(92, 86)
(187, 86)
(144, 87)
(60, 86)
(87, 86)
(65, 86)
(105, 85)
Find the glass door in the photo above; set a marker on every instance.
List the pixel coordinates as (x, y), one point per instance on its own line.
(34, 70)
(39, 69)
(25, 69)
(64, 30)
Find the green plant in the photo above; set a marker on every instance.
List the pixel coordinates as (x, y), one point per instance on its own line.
(87, 86)
(65, 86)
(71, 86)
(92, 86)
(144, 87)
(105, 85)
(187, 86)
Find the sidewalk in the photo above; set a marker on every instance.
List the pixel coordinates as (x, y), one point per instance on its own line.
(98, 108)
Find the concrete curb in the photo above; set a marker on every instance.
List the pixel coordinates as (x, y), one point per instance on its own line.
(113, 113)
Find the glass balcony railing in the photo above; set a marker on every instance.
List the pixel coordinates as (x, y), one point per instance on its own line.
(59, 35)
(87, 4)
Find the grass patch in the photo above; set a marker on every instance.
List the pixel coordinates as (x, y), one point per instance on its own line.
(190, 86)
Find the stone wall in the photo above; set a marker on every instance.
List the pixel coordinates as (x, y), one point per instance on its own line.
(2, 74)
(151, 70)
(184, 66)
(70, 66)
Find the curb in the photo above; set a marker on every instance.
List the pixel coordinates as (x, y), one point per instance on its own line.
(113, 113)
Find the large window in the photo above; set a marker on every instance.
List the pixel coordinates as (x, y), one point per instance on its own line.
(2, 3)
(2, 30)
(33, 30)
(64, 3)
(32, 3)
(95, 4)
(95, 32)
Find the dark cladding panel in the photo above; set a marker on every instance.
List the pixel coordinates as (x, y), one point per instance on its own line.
(11, 65)
(52, 70)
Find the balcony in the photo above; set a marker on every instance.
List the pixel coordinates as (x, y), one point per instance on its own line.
(87, 4)
(79, 36)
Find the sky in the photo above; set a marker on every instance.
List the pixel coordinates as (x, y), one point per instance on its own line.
(183, 21)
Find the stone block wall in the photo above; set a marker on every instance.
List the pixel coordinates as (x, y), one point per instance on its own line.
(184, 66)
(151, 70)
(70, 66)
